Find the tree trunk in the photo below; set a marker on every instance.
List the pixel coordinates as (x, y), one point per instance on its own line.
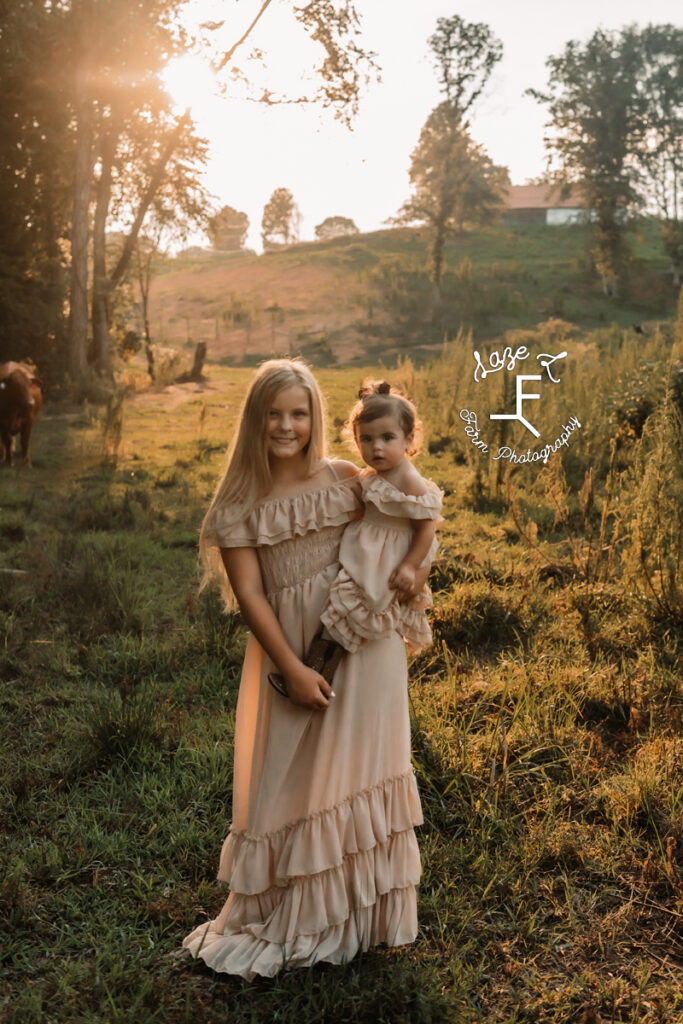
(149, 351)
(150, 192)
(100, 287)
(78, 300)
(195, 373)
(437, 262)
(144, 269)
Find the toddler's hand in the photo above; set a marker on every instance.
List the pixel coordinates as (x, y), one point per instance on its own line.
(402, 578)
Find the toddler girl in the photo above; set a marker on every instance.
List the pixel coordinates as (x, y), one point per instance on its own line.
(381, 552)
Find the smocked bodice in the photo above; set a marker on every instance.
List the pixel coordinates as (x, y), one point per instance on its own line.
(298, 559)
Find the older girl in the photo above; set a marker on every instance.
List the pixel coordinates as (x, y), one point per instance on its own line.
(321, 857)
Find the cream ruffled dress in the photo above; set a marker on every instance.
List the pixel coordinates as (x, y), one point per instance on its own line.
(321, 857)
(361, 605)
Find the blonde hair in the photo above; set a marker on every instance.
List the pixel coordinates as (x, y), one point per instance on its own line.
(247, 477)
(378, 398)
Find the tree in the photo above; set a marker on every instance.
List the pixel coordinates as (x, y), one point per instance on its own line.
(596, 129)
(156, 172)
(454, 181)
(333, 227)
(465, 54)
(35, 184)
(280, 219)
(228, 229)
(661, 156)
(455, 184)
(147, 250)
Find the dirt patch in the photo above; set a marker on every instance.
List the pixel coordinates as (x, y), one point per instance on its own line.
(169, 398)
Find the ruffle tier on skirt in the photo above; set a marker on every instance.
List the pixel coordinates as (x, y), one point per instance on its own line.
(322, 889)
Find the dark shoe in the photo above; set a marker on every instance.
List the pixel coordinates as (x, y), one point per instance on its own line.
(323, 656)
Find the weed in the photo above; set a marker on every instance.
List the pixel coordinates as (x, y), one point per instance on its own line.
(121, 725)
(656, 489)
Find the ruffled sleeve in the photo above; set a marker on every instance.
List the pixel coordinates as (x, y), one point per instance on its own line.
(388, 499)
(278, 519)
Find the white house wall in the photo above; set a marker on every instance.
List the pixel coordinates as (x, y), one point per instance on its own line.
(563, 216)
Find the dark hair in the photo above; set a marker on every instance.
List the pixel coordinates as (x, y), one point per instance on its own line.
(377, 398)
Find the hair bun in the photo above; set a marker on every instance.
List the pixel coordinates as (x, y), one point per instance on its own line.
(374, 387)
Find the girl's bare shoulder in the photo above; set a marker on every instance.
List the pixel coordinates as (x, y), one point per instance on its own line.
(412, 483)
(344, 469)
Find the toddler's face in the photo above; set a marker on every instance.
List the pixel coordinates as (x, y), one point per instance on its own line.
(382, 443)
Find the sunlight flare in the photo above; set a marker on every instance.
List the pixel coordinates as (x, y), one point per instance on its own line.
(191, 83)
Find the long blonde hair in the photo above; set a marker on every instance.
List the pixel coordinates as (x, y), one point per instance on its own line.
(247, 477)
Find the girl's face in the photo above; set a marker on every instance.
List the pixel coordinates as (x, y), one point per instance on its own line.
(288, 429)
(382, 443)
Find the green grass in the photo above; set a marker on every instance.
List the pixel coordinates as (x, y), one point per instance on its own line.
(379, 297)
(547, 727)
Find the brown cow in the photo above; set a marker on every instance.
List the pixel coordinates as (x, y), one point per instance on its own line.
(20, 402)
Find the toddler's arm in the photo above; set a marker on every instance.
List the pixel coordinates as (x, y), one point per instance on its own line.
(403, 576)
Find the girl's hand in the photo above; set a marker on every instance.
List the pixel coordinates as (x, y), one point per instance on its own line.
(403, 578)
(308, 689)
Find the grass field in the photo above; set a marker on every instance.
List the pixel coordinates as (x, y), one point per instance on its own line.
(547, 717)
(368, 297)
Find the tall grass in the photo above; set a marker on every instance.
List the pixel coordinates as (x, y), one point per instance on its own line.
(655, 489)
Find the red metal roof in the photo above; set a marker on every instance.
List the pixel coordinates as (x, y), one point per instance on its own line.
(541, 197)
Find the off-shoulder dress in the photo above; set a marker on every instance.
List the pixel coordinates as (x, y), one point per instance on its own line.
(361, 606)
(321, 856)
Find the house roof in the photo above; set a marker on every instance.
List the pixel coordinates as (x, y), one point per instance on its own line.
(541, 197)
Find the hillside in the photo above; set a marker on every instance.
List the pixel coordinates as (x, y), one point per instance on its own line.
(369, 296)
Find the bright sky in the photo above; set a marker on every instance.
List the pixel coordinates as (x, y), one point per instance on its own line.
(363, 173)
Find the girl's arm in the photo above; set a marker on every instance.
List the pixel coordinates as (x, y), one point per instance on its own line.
(305, 687)
(403, 576)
